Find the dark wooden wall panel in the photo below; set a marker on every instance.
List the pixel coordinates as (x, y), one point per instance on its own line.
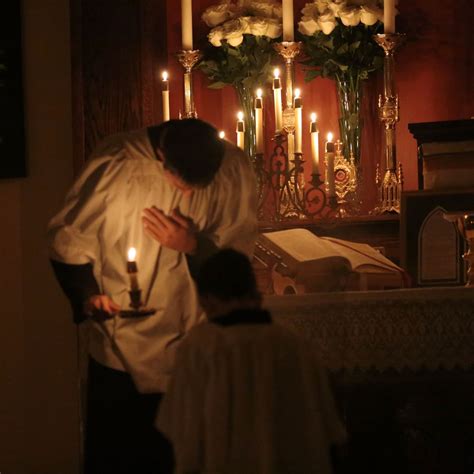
(118, 46)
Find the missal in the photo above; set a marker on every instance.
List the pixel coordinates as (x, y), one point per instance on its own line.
(309, 263)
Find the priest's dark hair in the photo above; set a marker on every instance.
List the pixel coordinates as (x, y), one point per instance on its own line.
(228, 276)
(192, 149)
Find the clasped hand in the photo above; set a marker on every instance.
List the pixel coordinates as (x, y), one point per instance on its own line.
(173, 231)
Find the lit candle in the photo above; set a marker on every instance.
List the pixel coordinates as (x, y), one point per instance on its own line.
(187, 24)
(222, 134)
(287, 13)
(330, 178)
(389, 16)
(165, 95)
(240, 130)
(132, 269)
(259, 122)
(298, 106)
(277, 101)
(314, 143)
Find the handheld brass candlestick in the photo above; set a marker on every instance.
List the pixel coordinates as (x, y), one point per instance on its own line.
(138, 310)
(189, 59)
(391, 186)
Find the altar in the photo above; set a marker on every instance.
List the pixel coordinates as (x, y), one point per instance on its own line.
(402, 367)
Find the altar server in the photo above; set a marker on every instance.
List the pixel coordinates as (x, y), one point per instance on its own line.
(247, 395)
(175, 193)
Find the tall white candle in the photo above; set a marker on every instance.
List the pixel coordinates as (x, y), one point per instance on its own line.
(240, 130)
(330, 177)
(298, 106)
(259, 122)
(389, 16)
(187, 24)
(314, 143)
(165, 95)
(288, 31)
(277, 101)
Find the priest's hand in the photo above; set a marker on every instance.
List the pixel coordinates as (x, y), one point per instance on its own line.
(173, 231)
(100, 307)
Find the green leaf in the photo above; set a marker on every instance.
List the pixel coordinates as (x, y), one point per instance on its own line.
(217, 85)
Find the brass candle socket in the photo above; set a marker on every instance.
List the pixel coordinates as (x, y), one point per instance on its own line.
(391, 186)
(189, 59)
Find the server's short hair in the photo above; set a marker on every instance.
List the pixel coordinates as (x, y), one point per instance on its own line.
(192, 150)
(227, 275)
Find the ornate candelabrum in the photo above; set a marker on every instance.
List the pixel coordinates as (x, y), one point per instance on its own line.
(189, 59)
(391, 185)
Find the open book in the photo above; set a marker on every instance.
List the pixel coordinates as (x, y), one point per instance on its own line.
(315, 263)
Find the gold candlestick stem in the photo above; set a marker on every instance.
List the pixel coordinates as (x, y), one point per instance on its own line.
(391, 186)
(189, 59)
(289, 50)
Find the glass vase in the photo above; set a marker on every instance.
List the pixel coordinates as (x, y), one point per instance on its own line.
(246, 100)
(349, 93)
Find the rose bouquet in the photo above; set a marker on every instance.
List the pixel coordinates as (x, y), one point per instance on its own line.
(338, 40)
(240, 51)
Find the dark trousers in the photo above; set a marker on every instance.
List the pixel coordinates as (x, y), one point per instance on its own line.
(120, 434)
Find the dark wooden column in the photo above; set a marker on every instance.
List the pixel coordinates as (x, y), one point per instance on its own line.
(117, 49)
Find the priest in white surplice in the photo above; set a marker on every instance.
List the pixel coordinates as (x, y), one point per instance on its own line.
(247, 395)
(177, 193)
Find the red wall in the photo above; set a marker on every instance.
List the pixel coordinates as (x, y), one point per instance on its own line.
(434, 79)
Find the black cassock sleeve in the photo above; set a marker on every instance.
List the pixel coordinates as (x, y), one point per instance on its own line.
(78, 283)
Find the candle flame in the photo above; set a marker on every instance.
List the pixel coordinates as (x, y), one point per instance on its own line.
(297, 93)
(222, 134)
(240, 116)
(259, 93)
(314, 117)
(330, 137)
(132, 254)
(164, 75)
(276, 73)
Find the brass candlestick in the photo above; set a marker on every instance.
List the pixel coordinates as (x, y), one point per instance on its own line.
(289, 50)
(189, 59)
(391, 186)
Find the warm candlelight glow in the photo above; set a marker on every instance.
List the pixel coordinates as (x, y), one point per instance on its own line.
(297, 93)
(240, 116)
(276, 73)
(164, 75)
(259, 93)
(132, 254)
(222, 134)
(330, 137)
(314, 117)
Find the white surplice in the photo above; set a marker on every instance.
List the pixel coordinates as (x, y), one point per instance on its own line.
(249, 398)
(102, 218)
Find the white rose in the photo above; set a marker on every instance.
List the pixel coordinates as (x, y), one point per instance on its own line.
(275, 28)
(217, 14)
(336, 6)
(216, 36)
(234, 30)
(265, 8)
(310, 10)
(307, 26)
(258, 26)
(327, 22)
(370, 15)
(350, 16)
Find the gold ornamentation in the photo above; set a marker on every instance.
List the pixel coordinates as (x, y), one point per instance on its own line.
(391, 187)
(189, 59)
